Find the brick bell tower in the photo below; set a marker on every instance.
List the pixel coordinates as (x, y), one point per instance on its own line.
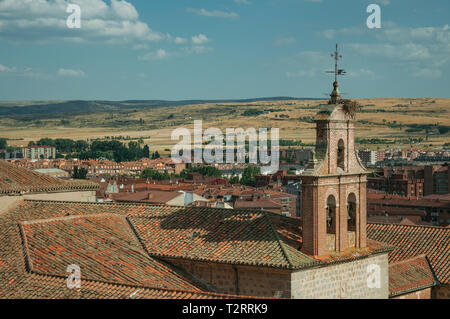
(334, 183)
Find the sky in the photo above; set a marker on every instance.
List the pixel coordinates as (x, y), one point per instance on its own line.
(221, 49)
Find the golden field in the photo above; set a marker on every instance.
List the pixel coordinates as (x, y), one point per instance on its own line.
(376, 120)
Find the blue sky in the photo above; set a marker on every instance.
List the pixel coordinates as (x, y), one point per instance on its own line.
(213, 49)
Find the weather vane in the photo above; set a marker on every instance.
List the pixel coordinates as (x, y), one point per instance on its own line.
(336, 71)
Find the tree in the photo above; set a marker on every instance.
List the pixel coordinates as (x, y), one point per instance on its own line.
(79, 173)
(234, 180)
(248, 177)
(3, 143)
(155, 155)
(204, 170)
(146, 152)
(149, 173)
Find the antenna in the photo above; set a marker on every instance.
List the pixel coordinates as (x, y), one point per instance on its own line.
(337, 71)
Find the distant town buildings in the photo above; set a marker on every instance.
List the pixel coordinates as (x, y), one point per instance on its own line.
(410, 181)
(173, 239)
(39, 152)
(96, 168)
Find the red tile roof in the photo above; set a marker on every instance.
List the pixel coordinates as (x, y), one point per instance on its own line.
(14, 179)
(40, 239)
(410, 275)
(414, 240)
(215, 235)
(151, 197)
(103, 246)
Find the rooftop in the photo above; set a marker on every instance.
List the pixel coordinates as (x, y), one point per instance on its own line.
(16, 180)
(414, 240)
(410, 275)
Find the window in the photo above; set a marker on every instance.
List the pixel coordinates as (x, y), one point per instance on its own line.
(341, 154)
(351, 210)
(331, 215)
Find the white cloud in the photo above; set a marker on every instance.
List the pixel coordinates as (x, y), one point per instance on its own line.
(70, 73)
(180, 40)
(45, 20)
(199, 39)
(5, 69)
(124, 10)
(409, 51)
(333, 33)
(159, 54)
(214, 13)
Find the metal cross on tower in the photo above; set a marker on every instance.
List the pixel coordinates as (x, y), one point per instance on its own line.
(336, 71)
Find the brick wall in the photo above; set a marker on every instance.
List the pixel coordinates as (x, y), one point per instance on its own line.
(9, 202)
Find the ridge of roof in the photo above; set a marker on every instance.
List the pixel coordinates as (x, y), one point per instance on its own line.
(417, 271)
(16, 180)
(412, 226)
(154, 292)
(284, 249)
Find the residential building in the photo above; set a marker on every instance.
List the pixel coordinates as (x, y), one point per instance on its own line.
(39, 152)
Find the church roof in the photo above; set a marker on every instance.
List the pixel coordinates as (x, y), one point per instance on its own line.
(38, 242)
(413, 240)
(17, 180)
(123, 248)
(410, 275)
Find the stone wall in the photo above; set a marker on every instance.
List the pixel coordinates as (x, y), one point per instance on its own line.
(442, 292)
(345, 280)
(421, 294)
(339, 281)
(239, 280)
(9, 202)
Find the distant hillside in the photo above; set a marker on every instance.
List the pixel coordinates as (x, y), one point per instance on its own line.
(55, 109)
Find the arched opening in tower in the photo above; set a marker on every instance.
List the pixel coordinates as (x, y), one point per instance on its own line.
(341, 154)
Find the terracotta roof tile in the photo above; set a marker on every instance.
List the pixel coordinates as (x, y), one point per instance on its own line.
(414, 240)
(16, 180)
(410, 275)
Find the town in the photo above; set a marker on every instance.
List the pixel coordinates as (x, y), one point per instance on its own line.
(238, 157)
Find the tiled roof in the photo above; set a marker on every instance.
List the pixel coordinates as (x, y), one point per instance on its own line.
(216, 235)
(34, 286)
(118, 246)
(413, 240)
(197, 233)
(410, 275)
(16, 180)
(40, 239)
(103, 246)
(151, 197)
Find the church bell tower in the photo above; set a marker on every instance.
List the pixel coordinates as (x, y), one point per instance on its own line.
(334, 183)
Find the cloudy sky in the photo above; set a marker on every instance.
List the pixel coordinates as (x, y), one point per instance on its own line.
(180, 49)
